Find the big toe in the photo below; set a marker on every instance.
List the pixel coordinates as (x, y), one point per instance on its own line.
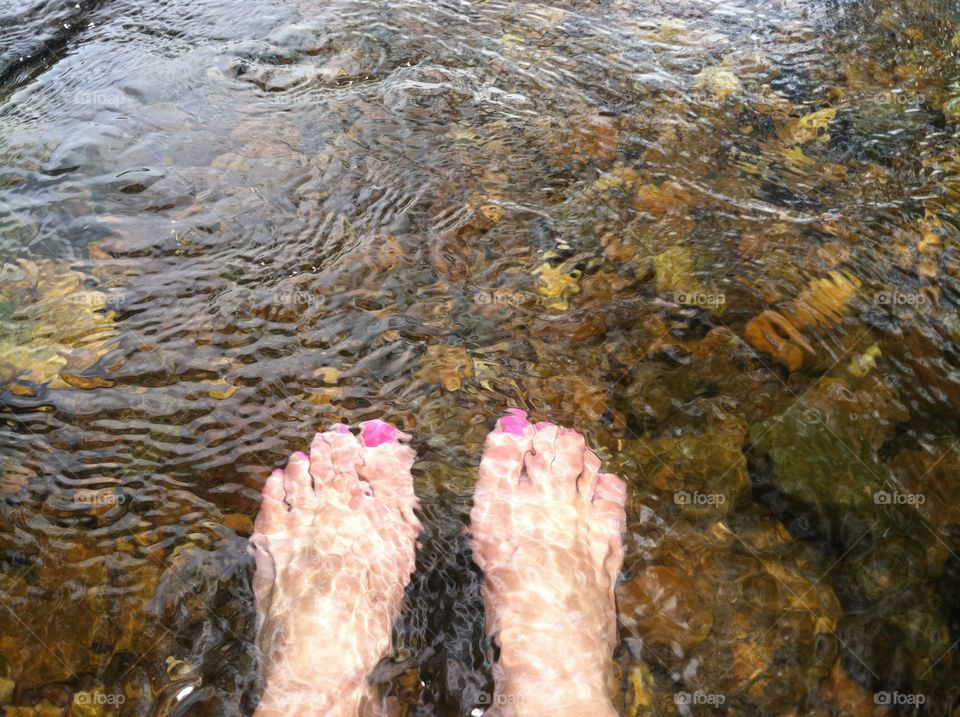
(556, 462)
(334, 458)
(385, 463)
(502, 463)
(500, 475)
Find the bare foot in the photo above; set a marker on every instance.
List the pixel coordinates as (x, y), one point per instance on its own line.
(334, 547)
(547, 534)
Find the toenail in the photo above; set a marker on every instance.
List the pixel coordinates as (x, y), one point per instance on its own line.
(376, 432)
(340, 428)
(300, 455)
(515, 422)
(542, 425)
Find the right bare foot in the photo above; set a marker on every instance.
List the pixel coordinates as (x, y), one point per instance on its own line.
(547, 533)
(334, 546)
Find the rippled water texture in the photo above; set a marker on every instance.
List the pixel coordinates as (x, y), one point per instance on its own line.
(718, 237)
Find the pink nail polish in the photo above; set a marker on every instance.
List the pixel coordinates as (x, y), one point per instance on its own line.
(340, 428)
(377, 432)
(515, 422)
(300, 455)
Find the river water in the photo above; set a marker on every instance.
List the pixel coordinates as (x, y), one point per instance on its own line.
(719, 237)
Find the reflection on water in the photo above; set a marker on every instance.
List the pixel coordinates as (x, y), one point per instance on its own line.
(719, 237)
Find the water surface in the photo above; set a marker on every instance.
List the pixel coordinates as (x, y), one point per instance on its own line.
(718, 237)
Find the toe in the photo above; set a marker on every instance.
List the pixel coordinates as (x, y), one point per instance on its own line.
(376, 433)
(557, 460)
(587, 482)
(297, 482)
(342, 453)
(608, 523)
(500, 474)
(609, 502)
(274, 513)
(502, 463)
(385, 464)
(266, 572)
(321, 456)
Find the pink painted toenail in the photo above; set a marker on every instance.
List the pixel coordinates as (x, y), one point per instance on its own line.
(340, 428)
(514, 423)
(542, 425)
(376, 432)
(300, 455)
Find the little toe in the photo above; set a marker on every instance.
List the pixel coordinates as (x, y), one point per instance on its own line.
(587, 482)
(609, 503)
(297, 482)
(264, 576)
(274, 513)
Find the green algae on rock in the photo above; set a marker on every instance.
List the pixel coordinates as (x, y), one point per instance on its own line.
(817, 464)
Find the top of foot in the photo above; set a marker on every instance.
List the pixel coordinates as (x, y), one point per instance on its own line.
(334, 548)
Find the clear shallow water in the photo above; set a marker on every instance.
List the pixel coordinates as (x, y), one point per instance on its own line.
(717, 237)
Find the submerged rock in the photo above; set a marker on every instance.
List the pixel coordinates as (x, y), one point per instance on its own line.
(666, 609)
(695, 475)
(51, 321)
(449, 366)
(736, 612)
(817, 466)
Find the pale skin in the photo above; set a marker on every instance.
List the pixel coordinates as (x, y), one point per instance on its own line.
(334, 548)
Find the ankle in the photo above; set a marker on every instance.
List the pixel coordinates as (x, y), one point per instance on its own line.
(315, 703)
(550, 684)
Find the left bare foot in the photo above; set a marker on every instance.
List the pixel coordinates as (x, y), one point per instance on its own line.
(334, 548)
